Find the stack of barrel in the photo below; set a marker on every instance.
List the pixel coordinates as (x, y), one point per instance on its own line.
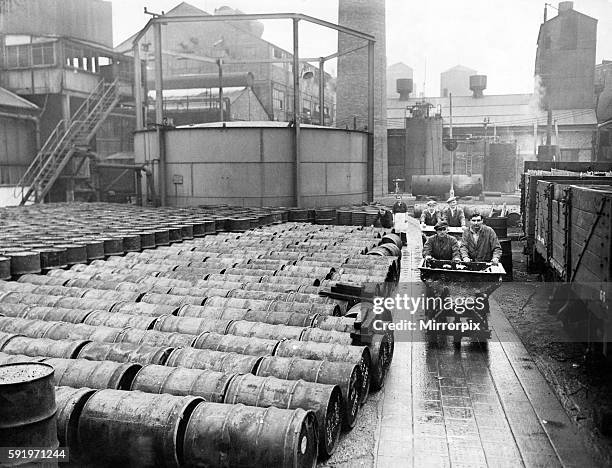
(234, 319)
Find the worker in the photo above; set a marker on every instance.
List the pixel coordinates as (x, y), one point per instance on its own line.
(399, 206)
(442, 246)
(454, 215)
(431, 215)
(384, 218)
(479, 242)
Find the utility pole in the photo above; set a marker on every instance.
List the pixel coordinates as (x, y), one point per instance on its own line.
(452, 154)
(485, 123)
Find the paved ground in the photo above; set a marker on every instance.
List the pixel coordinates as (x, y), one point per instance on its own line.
(470, 407)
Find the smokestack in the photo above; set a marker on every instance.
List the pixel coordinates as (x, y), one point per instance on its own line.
(478, 83)
(404, 88)
(367, 16)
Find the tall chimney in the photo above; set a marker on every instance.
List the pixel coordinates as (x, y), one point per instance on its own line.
(367, 16)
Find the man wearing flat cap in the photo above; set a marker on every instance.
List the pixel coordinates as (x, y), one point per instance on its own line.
(431, 216)
(441, 246)
(453, 215)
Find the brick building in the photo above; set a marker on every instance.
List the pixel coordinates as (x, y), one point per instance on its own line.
(237, 41)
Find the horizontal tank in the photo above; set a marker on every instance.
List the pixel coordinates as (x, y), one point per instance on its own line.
(252, 164)
(439, 185)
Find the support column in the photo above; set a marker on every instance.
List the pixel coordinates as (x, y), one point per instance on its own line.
(297, 111)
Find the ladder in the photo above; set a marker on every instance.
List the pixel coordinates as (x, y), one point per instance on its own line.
(65, 140)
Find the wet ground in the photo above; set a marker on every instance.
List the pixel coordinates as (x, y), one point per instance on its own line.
(528, 399)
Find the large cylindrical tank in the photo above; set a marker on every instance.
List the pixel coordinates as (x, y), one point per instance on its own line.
(367, 16)
(252, 164)
(439, 185)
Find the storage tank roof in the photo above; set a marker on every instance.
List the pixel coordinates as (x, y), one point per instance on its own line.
(10, 99)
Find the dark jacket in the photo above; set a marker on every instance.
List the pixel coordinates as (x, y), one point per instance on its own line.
(442, 248)
(485, 250)
(455, 220)
(400, 207)
(430, 219)
(385, 220)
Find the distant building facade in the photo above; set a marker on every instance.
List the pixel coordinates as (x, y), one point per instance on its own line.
(240, 46)
(456, 81)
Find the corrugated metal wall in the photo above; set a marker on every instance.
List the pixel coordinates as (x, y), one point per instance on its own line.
(17, 148)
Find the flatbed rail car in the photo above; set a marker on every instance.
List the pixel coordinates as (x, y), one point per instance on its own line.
(574, 236)
(454, 282)
(530, 204)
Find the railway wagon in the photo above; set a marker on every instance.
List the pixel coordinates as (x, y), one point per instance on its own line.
(532, 203)
(573, 233)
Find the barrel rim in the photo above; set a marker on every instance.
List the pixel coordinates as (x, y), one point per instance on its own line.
(25, 382)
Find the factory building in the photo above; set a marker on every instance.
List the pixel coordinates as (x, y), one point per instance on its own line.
(565, 59)
(456, 81)
(190, 62)
(59, 56)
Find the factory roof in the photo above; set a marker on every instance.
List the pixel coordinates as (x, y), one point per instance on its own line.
(505, 110)
(9, 99)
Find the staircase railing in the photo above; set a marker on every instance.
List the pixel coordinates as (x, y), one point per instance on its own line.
(81, 127)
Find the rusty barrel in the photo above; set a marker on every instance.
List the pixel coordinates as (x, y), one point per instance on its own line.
(213, 360)
(235, 344)
(14, 297)
(260, 437)
(56, 314)
(81, 331)
(325, 400)
(381, 350)
(207, 312)
(191, 325)
(347, 376)
(70, 402)
(208, 384)
(169, 299)
(327, 336)
(31, 328)
(79, 373)
(44, 347)
(143, 308)
(27, 412)
(5, 268)
(119, 320)
(125, 352)
(295, 319)
(24, 262)
(14, 310)
(306, 307)
(155, 338)
(342, 324)
(120, 428)
(6, 358)
(265, 330)
(359, 355)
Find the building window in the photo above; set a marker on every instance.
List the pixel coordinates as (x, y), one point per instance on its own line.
(277, 53)
(42, 54)
(278, 99)
(18, 56)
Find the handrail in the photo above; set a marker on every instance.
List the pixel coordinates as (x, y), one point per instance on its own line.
(50, 142)
(60, 140)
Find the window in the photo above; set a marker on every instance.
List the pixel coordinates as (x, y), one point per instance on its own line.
(18, 56)
(277, 53)
(278, 99)
(42, 54)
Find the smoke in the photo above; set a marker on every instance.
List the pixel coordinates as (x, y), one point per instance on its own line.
(537, 102)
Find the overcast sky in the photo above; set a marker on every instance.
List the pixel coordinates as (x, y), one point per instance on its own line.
(497, 38)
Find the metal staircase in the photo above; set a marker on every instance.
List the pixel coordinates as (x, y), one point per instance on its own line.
(68, 138)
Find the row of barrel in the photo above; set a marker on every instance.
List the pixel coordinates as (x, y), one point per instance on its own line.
(61, 236)
(146, 427)
(226, 250)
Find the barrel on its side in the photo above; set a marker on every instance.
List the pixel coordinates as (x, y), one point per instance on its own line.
(347, 376)
(27, 412)
(79, 373)
(213, 360)
(122, 428)
(70, 403)
(265, 437)
(324, 400)
(125, 352)
(210, 385)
